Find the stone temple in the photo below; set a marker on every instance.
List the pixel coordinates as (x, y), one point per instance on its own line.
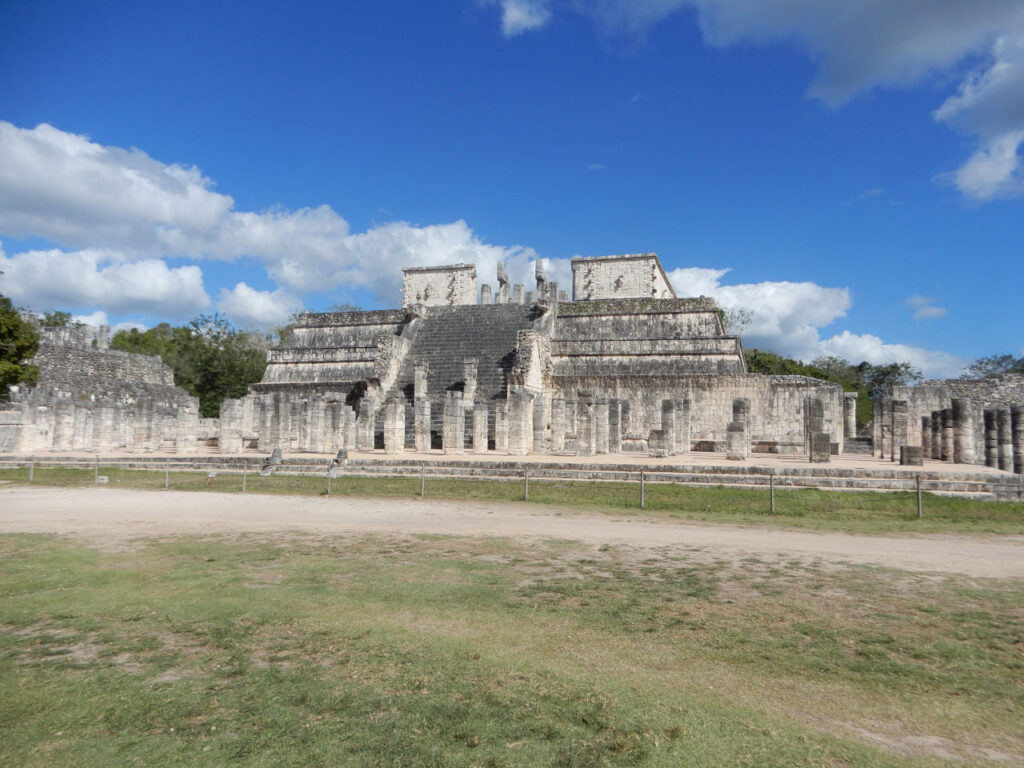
(624, 366)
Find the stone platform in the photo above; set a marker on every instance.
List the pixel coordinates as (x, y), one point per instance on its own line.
(848, 472)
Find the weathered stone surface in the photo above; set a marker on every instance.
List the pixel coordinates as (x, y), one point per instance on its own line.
(911, 455)
(821, 448)
(454, 420)
(1017, 425)
(1004, 430)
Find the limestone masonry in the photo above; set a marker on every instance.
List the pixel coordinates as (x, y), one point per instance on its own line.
(625, 366)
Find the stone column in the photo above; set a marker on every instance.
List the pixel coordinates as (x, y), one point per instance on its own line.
(963, 431)
(877, 420)
(947, 434)
(991, 440)
(421, 409)
(229, 432)
(601, 425)
(741, 417)
(334, 424)
(1017, 425)
(911, 456)
(63, 425)
(82, 438)
(586, 444)
(394, 426)
(485, 294)
(571, 412)
(936, 450)
(557, 424)
(453, 424)
(814, 422)
(821, 448)
(624, 417)
(1004, 428)
(849, 414)
(501, 425)
(366, 423)
(614, 425)
(540, 425)
(668, 424)
(421, 424)
(735, 441)
(469, 378)
(900, 431)
(683, 425)
(517, 293)
(480, 428)
(926, 437)
(660, 443)
(351, 433)
(520, 423)
(186, 427)
(104, 426)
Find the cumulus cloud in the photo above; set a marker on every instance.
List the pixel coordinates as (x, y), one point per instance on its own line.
(94, 277)
(251, 308)
(862, 44)
(121, 205)
(788, 317)
(519, 16)
(924, 307)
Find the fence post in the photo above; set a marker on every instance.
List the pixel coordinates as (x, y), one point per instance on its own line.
(771, 489)
(643, 500)
(96, 471)
(31, 469)
(917, 478)
(328, 479)
(167, 474)
(526, 478)
(245, 472)
(423, 479)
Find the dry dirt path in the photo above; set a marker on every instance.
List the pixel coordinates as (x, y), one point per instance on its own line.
(116, 516)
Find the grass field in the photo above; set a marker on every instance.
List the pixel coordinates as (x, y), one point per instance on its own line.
(439, 651)
(855, 512)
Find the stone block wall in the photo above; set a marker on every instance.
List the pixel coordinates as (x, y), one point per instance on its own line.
(439, 286)
(631, 276)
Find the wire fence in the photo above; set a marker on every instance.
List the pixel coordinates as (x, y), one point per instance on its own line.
(614, 487)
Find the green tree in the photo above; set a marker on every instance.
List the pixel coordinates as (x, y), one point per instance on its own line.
(18, 344)
(993, 365)
(57, 319)
(211, 359)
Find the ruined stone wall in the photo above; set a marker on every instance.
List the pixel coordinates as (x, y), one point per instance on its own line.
(775, 418)
(935, 396)
(439, 286)
(631, 276)
(634, 337)
(75, 369)
(331, 347)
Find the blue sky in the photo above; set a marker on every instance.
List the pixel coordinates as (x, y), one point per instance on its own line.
(847, 171)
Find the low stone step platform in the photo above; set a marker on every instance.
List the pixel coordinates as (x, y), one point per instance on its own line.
(954, 482)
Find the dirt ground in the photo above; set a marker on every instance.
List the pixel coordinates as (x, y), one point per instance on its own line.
(114, 517)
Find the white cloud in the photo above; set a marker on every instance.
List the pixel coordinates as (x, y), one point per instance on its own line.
(93, 277)
(787, 318)
(65, 188)
(856, 347)
(519, 16)
(924, 307)
(97, 318)
(251, 308)
(861, 44)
